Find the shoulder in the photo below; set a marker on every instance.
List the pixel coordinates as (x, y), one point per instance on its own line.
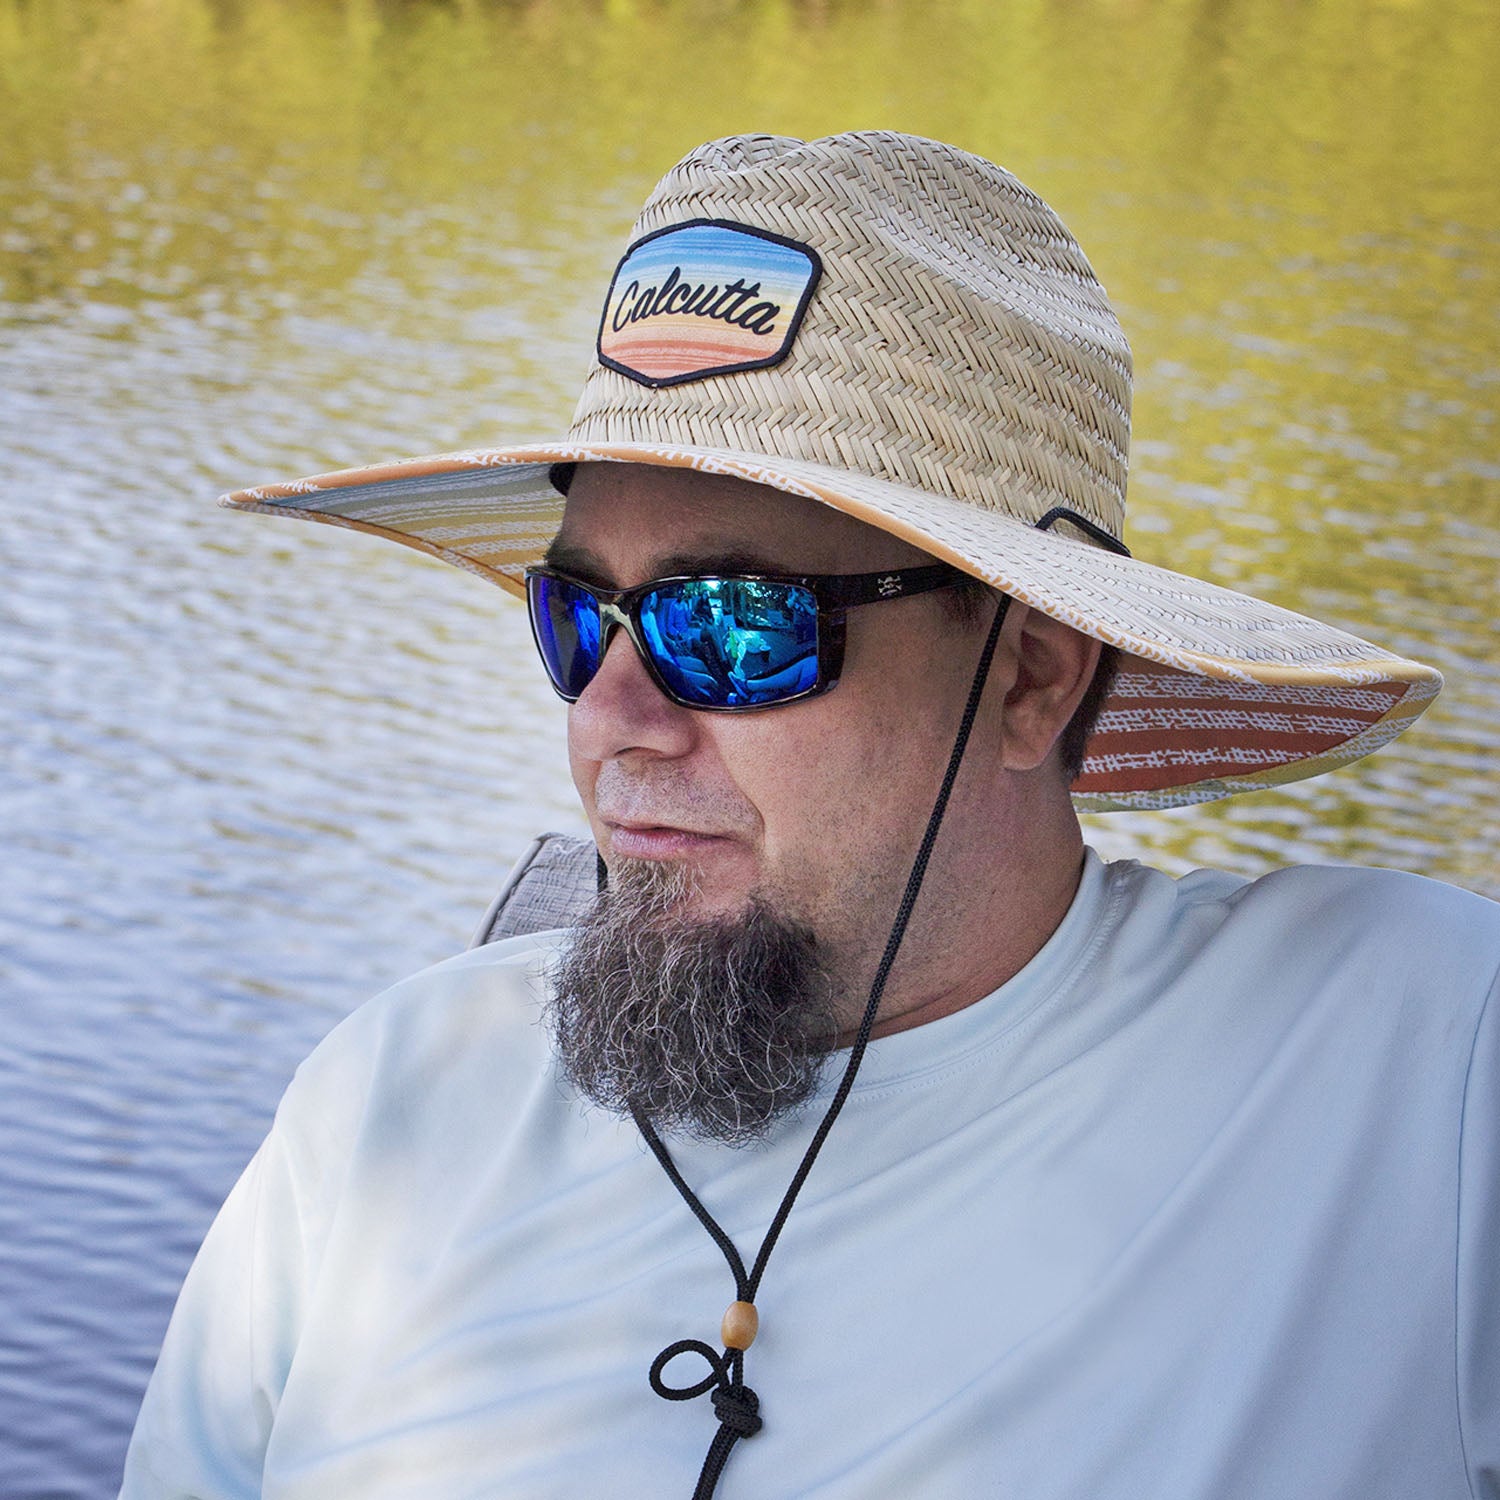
(1358, 940)
(1386, 907)
(1378, 917)
(472, 1023)
(1416, 902)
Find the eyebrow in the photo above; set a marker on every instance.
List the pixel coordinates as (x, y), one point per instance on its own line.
(581, 562)
(586, 564)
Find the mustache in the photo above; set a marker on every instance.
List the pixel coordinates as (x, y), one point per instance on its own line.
(666, 796)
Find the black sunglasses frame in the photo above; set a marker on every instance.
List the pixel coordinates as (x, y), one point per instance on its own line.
(833, 593)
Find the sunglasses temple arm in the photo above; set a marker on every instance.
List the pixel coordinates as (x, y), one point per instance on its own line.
(871, 588)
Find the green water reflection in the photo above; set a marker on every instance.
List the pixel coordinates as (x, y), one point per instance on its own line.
(1295, 205)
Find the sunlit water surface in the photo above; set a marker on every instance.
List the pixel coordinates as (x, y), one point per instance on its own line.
(256, 771)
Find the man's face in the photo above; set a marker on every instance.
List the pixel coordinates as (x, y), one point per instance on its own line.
(816, 807)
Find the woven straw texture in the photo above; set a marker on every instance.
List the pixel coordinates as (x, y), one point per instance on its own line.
(958, 373)
(958, 344)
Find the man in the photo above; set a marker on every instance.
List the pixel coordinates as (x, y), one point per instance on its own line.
(1047, 1178)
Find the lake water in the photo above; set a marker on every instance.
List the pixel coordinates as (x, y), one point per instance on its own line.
(256, 771)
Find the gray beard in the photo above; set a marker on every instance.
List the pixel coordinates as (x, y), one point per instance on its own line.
(712, 1027)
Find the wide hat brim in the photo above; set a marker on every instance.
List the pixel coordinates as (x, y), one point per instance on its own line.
(1218, 692)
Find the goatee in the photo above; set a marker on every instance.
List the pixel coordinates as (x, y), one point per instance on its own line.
(713, 1027)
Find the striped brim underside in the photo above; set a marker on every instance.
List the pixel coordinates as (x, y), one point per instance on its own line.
(1218, 693)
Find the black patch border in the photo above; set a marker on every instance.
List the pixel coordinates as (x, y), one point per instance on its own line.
(661, 382)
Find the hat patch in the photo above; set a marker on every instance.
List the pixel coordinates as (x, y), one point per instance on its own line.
(705, 298)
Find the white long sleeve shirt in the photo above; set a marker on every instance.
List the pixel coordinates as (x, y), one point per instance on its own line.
(1202, 1205)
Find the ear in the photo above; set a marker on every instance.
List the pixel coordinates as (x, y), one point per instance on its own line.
(1054, 665)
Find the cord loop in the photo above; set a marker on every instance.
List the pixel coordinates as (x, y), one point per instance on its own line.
(720, 1372)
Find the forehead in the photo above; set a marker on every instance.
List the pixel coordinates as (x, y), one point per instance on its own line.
(629, 522)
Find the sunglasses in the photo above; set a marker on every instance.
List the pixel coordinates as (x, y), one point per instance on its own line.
(722, 644)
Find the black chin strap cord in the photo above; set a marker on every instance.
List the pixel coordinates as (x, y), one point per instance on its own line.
(735, 1404)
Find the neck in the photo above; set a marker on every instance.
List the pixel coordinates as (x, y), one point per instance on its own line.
(978, 923)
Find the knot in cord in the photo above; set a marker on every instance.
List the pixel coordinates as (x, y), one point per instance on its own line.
(738, 1408)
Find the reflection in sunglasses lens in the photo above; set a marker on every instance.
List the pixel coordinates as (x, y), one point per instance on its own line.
(730, 643)
(711, 642)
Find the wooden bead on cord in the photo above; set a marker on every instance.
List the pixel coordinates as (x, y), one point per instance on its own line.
(741, 1324)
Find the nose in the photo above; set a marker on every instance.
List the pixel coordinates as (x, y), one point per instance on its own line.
(622, 711)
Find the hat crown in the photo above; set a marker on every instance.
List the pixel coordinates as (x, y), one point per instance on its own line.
(956, 340)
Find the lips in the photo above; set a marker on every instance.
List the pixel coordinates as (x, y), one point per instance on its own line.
(639, 840)
(658, 825)
(660, 813)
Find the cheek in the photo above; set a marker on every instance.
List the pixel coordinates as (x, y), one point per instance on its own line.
(754, 756)
(854, 778)
(831, 784)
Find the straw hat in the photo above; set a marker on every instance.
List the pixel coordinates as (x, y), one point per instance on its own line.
(905, 332)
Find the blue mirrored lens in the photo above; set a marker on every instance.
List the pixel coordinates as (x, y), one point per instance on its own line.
(732, 643)
(566, 620)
